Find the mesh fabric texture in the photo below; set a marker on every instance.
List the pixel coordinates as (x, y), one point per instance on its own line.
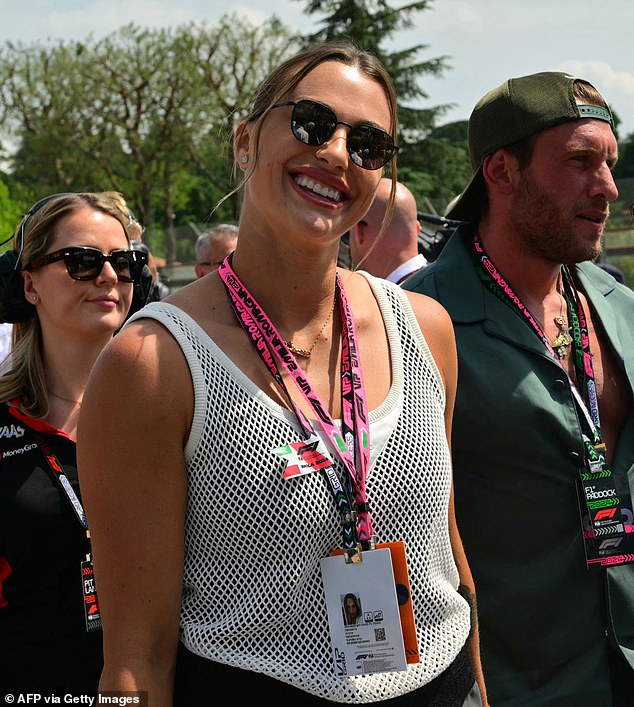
(252, 595)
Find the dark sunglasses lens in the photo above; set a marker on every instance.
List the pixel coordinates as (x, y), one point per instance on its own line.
(122, 263)
(370, 147)
(312, 123)
(83, 265)
(87, 264)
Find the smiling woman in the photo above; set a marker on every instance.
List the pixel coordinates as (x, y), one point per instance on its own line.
(68, 291)
(290, 409)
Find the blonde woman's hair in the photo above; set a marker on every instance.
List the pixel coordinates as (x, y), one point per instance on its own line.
(26, 379)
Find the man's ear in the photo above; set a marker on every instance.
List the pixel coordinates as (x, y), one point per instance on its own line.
(500, 170)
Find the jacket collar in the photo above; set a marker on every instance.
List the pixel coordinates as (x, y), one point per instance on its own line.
(604, 293)
(470, 302)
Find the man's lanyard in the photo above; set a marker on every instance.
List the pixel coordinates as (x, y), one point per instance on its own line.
(599, 485)
(496, 283)
(584, 369)
(352, 444)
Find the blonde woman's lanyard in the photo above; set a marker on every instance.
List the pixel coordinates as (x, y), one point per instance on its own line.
(604, 497)
(352, 444)
(92, 614)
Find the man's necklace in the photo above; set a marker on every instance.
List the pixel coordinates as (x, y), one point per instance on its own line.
(306, 353)
(562, 342)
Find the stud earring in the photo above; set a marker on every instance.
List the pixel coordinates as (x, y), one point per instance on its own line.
(33, 298)
(244, 158)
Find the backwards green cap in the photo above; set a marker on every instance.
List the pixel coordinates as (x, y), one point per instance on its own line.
(517, 109)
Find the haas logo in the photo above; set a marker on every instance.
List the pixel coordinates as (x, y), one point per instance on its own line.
(9, 431)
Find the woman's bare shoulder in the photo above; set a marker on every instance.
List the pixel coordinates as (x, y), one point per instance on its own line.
(140, 366)
(431, 315)
(138, 344)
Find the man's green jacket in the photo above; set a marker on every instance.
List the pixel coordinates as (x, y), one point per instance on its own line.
(545, 619)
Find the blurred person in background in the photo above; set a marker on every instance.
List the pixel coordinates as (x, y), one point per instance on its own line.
(71, 290)
(393, 254)
(214, 246)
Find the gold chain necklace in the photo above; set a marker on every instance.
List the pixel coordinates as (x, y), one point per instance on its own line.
(563, 339)
(68, 400)
(306, 353)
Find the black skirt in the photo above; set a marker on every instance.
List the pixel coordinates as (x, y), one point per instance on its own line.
(199, 679)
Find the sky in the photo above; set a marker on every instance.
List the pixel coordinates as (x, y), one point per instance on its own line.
(485, 41)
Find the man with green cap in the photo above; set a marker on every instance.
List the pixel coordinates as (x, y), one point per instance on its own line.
(543, 434)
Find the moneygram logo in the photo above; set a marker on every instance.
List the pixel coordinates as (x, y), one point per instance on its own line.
(21, 450)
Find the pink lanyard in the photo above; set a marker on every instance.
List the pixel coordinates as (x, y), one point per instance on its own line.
(583, 362)
(352, 444)
(605, 499)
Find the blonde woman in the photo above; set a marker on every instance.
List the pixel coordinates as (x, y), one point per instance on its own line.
(74, 275)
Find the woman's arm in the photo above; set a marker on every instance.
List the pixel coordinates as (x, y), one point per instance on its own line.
(135, 417)
(438, 331)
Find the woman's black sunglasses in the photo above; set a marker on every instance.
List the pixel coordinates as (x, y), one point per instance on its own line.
(84, 263)
(314, 123)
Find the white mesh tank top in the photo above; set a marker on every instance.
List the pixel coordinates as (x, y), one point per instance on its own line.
(252, 595)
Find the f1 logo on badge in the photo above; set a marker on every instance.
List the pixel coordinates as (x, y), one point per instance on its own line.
(605, 513)
(610, 543)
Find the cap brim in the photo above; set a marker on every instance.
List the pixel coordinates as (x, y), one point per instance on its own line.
(468, 206)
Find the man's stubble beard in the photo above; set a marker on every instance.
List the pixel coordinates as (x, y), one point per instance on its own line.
(544, 230)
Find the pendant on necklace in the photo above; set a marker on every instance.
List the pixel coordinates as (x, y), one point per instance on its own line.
(563, 340)
(304, 353)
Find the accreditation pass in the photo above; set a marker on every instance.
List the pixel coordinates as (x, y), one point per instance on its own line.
(363, 614)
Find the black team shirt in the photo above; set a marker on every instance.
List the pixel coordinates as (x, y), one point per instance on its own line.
(43, 640)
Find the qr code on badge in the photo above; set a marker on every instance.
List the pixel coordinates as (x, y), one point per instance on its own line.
(379, 634)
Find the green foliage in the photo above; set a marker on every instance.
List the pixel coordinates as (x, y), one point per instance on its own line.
(14, 201)
(370, 23)
(148, 113)
(10, 215)
(625, 166)
(437, 168)
(365, 22)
